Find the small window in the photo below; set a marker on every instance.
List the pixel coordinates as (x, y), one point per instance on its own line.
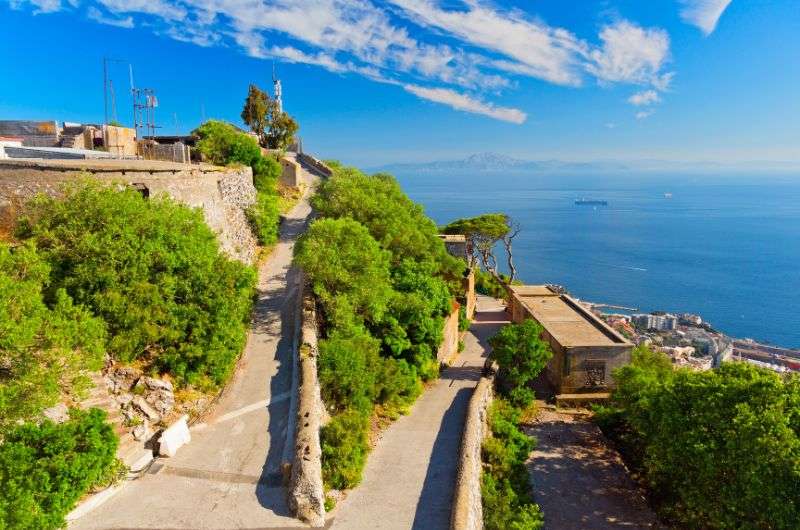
(595, 371)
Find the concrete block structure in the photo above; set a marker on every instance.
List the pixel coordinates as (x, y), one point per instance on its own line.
(456, 245)
(585, 349)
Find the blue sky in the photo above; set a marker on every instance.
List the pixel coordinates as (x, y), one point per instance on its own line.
(374, 82)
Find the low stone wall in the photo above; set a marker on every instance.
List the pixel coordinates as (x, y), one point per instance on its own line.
(467, 511)
(316, 165)
(449, 347)
(472, 299)
(223, 193)
(306, 493)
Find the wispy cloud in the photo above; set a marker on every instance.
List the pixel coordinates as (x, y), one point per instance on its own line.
(467, 103)
(704, 13)
(97, 15)
(642, 114)
(644, 98)
(456, 56)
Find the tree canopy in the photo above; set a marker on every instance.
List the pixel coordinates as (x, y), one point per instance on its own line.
(483, 233)
(275, 128)
(521, 354)
(718, 448)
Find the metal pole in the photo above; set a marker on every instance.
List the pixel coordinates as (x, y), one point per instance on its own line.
(105, 102)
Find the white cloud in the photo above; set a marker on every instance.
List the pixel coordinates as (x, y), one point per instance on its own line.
(537, 49)
(630, 54)
(610, 125)
(642, 114)
(468, 104)
(96, 15)
(704, 13)
(40, 6)
(644, 98)
(476, 47)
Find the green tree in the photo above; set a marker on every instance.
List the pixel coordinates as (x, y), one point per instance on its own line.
(521, 354)
(483, 233)
(45, 469)
(719, 448)
(348, 269)
(153, 271)
(45, 350)
(282, 129)
(256, 112)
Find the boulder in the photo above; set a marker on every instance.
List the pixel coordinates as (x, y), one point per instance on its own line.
(145, 408)
(174, 437)
(58, 413)
(141, 432)
(124, 400)
(156, 384)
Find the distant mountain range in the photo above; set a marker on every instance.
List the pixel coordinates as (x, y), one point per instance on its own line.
(493, 162)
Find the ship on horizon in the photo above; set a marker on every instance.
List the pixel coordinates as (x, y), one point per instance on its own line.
(591, 202)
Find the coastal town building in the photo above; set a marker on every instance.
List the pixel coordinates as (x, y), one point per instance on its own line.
(585, 349)
(657, 322)
(456, 245)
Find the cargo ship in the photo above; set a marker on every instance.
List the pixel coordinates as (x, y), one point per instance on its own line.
(590, 202)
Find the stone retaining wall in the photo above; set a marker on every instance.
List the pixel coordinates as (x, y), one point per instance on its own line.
(223, 193)
(318, 166)
(306, 494)
(467, 511)
(449, 346)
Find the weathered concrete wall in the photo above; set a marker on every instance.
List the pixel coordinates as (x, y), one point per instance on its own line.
(449, 347)
(223, 193)
(291, 173)
(306, 494)
(467, 511)
(472, 299)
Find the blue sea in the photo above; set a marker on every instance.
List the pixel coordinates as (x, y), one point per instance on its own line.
(727, 248)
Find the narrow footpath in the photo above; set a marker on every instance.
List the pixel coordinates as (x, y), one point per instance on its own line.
(579, 480)
(229, 476)
(410, 476)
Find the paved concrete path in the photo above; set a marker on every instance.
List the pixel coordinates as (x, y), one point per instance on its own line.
(410, 475)
(229, 476)
(579, 481)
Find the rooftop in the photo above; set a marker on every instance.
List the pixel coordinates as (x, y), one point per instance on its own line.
(566, 320)
(453, 238)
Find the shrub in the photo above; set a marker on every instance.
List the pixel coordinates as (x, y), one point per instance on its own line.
(45, 469)
(153, 271)
(348, 371)
(505, 483)
(344, 449)
(521, 354)
(45, 349)
(221, 143)
(719, 449)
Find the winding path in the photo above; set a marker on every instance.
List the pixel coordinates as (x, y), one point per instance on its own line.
(410, 476)
(229, 476)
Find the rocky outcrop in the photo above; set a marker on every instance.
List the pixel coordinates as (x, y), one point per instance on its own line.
(467, 511)
(306, 494)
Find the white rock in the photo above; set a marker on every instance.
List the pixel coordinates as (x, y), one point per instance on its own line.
(146, 409)
(174, 437)
(141, 432)
(58, 413)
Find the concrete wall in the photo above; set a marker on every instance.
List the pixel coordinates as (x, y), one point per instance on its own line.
(223, 194)
(574, 369)
(449, 347)
(467, 510)
(472, 299)
(306, 494)
(290, 174)
(120, 141)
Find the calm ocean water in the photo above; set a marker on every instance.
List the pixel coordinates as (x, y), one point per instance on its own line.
(725, 248)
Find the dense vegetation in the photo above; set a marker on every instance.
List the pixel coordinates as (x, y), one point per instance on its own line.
(521, 354)
(45, 469)
(505, 483)
(47, 343)
(275, 128)
(384, 283)
(221, 143)
(151, 270)
(717, 449)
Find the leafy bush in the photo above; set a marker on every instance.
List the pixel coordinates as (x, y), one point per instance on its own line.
(45, 469)
(344, 449)
(385, 283)
(221, 143)
(153, 271)
(718, 449)
(505, 483)
(488, 285)
(521, 354)
(45, 348)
